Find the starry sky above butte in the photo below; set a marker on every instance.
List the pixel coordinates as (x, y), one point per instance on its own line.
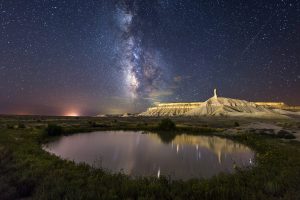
(66, 57)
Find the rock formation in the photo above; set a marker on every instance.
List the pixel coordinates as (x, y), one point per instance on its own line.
(215, 106)
(171, 109)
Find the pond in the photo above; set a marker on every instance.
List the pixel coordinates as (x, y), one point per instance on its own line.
(138, 153)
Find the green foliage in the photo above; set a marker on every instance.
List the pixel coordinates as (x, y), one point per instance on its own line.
(54, 130)
(166, 125)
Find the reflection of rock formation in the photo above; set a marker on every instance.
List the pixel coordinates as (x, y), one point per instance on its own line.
(218, 145)
(216, 106)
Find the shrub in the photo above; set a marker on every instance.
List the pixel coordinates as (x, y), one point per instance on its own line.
(166, 125)
(53, 130)
(92, 123)
(9, 126)
(285, 134)
(21, 125)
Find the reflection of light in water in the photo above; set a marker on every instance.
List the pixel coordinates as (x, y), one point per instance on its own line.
(137, 140)
(116, 154)
(220, 157)
(197, 146)
(158, 173)
(250, 161)
(177, 148)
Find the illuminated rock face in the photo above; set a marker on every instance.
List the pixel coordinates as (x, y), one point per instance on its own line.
(215, 106)
(273, 105)
(220, 106)
(171, 109)
(279, 105)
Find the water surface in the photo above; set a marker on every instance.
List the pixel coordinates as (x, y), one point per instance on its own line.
(148, 154)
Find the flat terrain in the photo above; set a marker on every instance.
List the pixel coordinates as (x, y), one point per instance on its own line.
(26, 171)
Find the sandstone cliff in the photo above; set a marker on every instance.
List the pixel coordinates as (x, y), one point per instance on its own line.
(220, 106)
(215, 106)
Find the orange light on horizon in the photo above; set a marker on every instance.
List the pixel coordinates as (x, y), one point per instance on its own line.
(72, 114)
(23, 113)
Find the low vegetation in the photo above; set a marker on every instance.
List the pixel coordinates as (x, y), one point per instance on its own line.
(166, 125)
(54, 130)
(236, 124)
(270, 132)
(285, 134)
(26, 171)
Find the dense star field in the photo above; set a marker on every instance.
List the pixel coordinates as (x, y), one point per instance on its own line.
(66, 57)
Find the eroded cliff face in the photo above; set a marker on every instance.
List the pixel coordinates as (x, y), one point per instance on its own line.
(215, 106)
(221, 106)
(279, 105)
(272, 105)
(171, 109)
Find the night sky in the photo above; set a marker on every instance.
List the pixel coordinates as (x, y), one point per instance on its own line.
(75, 57)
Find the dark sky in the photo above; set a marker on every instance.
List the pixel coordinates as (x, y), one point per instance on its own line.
(62, 57)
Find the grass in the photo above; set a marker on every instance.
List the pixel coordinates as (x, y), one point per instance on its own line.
(26, 171)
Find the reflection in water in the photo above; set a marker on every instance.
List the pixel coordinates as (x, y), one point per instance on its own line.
(138, 154)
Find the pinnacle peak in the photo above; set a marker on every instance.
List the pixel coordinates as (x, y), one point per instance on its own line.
(215, 93)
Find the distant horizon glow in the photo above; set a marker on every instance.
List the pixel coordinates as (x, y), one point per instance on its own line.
(71, 114)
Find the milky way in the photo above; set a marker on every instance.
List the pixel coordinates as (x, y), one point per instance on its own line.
(142, 67)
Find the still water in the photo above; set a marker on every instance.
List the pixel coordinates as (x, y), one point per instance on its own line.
(148, 154)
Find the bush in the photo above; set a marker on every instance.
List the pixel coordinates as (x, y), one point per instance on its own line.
(92, 123)
(166, 125)
(97, 125)
(9, 126)
(53, 130)
(21, 125)
(285, 134)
